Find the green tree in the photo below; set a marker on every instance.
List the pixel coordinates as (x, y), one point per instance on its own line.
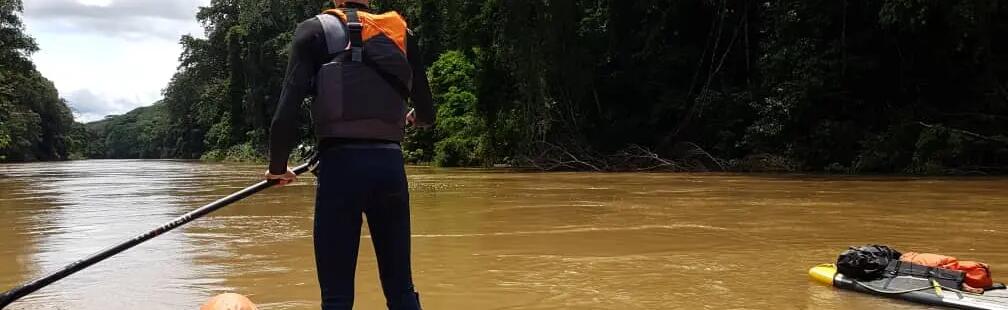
(460, 134)
(35, 123)
(887, 86)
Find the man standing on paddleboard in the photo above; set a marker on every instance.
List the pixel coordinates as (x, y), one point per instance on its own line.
(362, 67)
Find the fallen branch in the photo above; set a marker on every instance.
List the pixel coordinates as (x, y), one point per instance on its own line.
(966, 133)
(689, 157)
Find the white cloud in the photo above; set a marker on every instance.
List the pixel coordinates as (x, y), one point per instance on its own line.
(133, 19)
(88, 106)
(169, 9)
(109, 56)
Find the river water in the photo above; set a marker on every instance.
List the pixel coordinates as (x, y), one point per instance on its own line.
(488, 239)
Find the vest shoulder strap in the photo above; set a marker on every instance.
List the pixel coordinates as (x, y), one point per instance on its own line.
(355, 30)
(336, 36)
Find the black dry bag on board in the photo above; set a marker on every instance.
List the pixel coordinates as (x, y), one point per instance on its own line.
(866, 262)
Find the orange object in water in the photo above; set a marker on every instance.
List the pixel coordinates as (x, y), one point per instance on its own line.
(977, 274)
(229, 301)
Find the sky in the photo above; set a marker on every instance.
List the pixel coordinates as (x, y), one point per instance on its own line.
(108, 57)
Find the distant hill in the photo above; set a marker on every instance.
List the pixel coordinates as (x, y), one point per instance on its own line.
(137, 134)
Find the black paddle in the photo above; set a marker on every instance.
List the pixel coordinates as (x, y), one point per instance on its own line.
(14, 294)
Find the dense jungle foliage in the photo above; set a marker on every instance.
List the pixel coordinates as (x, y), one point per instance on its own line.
(35, 123)
(905, 86)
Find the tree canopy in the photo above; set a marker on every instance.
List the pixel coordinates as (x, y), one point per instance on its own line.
(906, 86)
(35, 123)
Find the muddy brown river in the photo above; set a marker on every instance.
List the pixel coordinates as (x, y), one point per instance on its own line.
(488, 239)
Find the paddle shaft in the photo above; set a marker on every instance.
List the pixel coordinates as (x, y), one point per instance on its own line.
(14, 294)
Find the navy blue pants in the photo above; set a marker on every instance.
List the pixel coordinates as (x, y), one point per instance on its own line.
(352, 181)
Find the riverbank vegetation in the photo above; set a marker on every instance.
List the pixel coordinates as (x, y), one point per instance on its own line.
(892, 86)
(35, 123)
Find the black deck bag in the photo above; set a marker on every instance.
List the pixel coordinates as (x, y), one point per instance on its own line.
(867, 262)
(945, 277)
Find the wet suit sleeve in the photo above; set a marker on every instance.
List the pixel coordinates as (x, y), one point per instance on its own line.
(297, 83)
(423, 101)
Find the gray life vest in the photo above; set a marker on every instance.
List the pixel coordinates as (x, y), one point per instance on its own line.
(362, 90)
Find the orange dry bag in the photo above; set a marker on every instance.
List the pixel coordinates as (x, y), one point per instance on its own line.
(976, 274)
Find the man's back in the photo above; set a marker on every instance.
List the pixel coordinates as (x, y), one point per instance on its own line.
(309, 53)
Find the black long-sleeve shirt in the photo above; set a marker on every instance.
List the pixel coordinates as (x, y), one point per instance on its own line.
(308, 53)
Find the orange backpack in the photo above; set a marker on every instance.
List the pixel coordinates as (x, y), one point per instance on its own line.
(977, 274)
(391, 25)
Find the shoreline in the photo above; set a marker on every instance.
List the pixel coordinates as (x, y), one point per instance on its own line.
(992, 172)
